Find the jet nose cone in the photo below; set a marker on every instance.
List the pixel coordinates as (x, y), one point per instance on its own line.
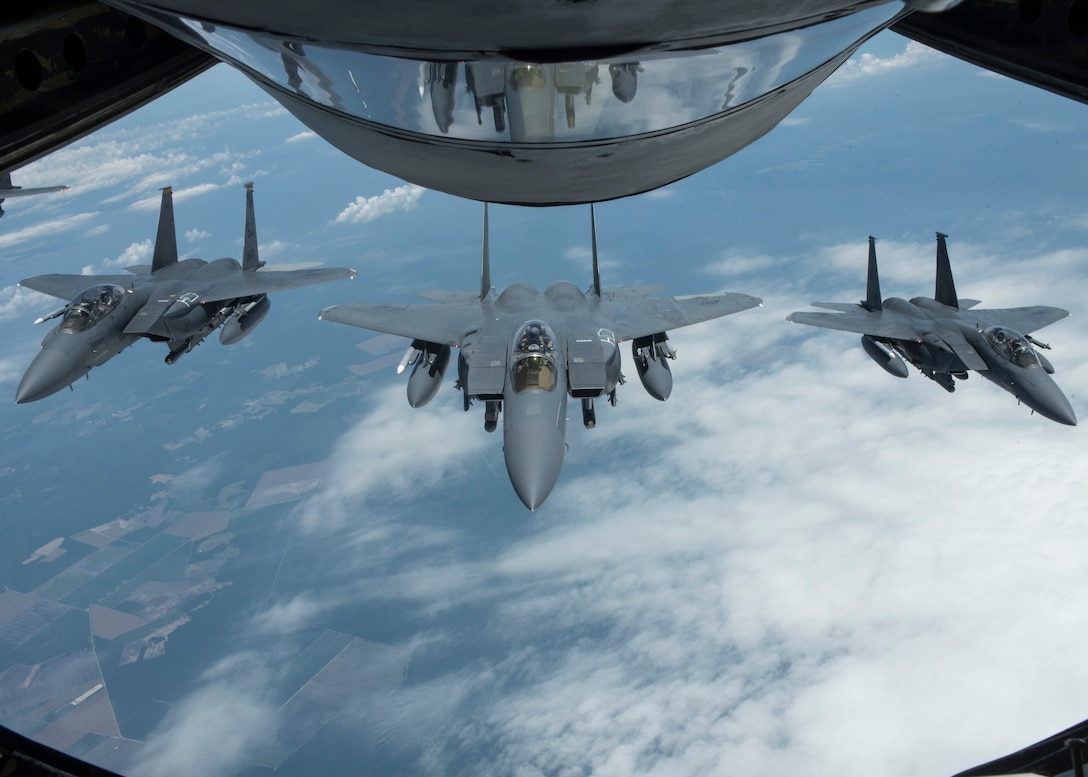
(1048, 400)
(50, 371)
(534, 457)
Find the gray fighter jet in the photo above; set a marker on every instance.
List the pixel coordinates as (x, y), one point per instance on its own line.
(175, 302)
(945, 337)
(528, 351)
(8, 190)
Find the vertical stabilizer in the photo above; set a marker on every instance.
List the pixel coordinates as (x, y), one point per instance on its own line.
(946, 288)
(5, 181)
(485, 264)
(250, 259)
(872, 283)
(166, 241)
(596, 265)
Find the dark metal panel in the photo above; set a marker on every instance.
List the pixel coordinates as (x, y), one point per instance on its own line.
(1040, 42)
(68, 67)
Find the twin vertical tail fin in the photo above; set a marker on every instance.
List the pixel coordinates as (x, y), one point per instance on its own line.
(166, 241)
(596, 265)
(485, 263)
(250, 259)
(946, 288)
(872, 284)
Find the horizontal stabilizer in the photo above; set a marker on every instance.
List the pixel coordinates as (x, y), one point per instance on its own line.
(139, 269)
(967, 304)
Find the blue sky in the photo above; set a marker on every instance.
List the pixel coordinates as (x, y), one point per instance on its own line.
(798, 563)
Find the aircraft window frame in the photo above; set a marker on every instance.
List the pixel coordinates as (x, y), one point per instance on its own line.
(90, 307)
(534, 372)
(1012, 346)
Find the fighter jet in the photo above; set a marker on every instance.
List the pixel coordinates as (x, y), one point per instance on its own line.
(522, 353)
(945, 337)
(7, 190)
(174, 302)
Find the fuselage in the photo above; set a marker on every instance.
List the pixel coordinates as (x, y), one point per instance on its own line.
(539, 333)
(90, 333)
(92, 329)
(1011, 361)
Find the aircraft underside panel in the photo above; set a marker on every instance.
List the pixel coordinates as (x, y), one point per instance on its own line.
(486, 360)
(586, 373)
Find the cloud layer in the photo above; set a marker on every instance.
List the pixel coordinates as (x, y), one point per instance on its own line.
(364, 209)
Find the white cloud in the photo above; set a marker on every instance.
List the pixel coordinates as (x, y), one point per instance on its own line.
(148, 157)
(65, 224)
(136, 253)
(364, 209)
(18, 301)
(179, 195)
(867, 65)
(194, 234)
(301, 136)
(787, 566)
(217, 728)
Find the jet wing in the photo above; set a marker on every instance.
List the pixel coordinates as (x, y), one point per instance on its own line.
(442, 324)
(1023, 320)
(624, 293)
(68, 287)
(18, 191)
(650, 315)
(861, 321)
(252, 284)
(894, 327)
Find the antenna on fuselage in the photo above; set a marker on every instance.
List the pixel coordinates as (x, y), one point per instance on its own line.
(946, 289)
(250, 259)
(166, 241)
(596, 265)
(485, 269)
(872, 283)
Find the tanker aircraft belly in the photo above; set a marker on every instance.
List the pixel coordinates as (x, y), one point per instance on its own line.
(523, 353)
(945, 337)
(175, 302)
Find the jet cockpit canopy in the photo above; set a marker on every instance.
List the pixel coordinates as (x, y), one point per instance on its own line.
(1012, 346)
(90, 307)
(534, 358)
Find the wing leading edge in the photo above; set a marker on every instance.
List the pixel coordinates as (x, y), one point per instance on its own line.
(651, 315)
(443, 324)
(252, 284)
(68, 287)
